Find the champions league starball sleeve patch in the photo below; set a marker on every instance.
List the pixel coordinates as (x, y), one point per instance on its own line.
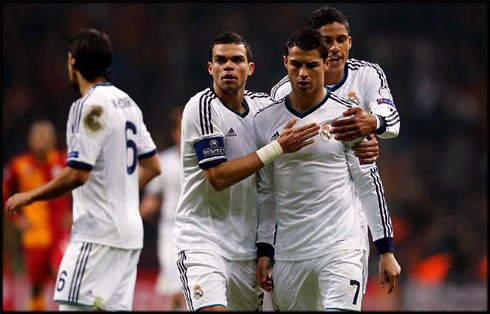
(210, 152)
(385, 101)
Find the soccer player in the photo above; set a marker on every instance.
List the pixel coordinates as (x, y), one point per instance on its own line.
(111, 156)
(310, 194)
(360, 81)
(216, 219)
(162, 193)
(44, 226)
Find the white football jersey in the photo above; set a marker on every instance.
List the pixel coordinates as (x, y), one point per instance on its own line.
(224, 222)
(313, 191)
(106, 134)
(168, 185)
(366, 84)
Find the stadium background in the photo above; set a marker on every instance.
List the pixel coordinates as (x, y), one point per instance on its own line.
(435, 56)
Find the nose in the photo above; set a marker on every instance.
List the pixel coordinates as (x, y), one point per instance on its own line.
(228, 65)
(334, 48)
(302, 72)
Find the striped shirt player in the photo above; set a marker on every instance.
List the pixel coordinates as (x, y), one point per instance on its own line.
(168, 186)
(215, 225)
(107, 136)
(312, 193)
(366, 84)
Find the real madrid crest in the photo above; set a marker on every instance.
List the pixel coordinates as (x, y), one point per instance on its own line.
(352, 95)
(325, 132)
(197, 292)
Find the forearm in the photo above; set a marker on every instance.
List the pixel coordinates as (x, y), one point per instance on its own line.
(149, 168)
(230, 172)
(388, 121)
(66, 181)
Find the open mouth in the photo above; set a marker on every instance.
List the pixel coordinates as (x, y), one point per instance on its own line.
(335, 60)
(229, 77)
(303, 83)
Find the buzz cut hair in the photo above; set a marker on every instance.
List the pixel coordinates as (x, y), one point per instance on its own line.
(327, 15)
(307, 39)
(230, 38)
(92, 52)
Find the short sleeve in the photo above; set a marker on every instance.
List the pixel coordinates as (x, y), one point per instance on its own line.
(201, 129)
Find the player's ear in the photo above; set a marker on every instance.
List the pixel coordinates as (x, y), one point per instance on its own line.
(71, 59)
(350, 42)
(210, 68)
(285, 61)
(326, 65)
(251, 68)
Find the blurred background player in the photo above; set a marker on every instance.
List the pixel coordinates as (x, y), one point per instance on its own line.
(162, 194)
(111, 156)
(44, 226)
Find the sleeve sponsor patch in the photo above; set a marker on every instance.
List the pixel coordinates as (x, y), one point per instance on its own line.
(210, 151)
(73, 154)
(385, 101)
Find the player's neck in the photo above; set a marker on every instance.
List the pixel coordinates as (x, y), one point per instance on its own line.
(233, 100)
(332, 77)
(85, 85)
(303, 102)
(40, 155)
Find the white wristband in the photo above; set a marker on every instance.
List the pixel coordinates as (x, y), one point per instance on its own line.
(269, 152)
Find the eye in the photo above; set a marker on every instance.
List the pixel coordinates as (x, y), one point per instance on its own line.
(312, 65)
(238, 59)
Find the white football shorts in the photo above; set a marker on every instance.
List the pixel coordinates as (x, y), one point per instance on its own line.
(330, 282)
(209, 279)
(168, 282)
(97, 275)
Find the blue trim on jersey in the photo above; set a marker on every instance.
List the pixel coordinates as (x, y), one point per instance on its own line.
(244, 103)
(146, 155)
(307, 112)
(382, 125)
(342, 80)
(79, 165)
(212, 163)
(210, 151)
(265, 249)
(384, 245)
(103, 84)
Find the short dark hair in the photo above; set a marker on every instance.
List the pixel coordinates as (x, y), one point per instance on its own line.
(230, 38)
(327, 15)
(307, 39)
(92, 52)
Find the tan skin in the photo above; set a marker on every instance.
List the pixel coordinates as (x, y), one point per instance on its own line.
(361, 124)
(305, 71)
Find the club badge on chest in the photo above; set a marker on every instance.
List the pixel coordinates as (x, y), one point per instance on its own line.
(325, 132)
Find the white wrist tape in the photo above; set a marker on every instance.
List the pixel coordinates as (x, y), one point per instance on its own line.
(269, 152)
